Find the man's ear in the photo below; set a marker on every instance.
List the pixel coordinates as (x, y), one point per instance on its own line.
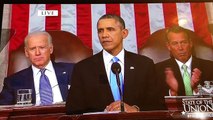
(51, 49)
(125, 33)
(190, 42)
(168, 46)
(26, 53)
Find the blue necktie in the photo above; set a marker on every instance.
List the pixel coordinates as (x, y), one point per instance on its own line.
(113, 83)
(45, 89)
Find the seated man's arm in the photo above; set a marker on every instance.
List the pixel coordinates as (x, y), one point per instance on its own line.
(6, 95)
(171, 82)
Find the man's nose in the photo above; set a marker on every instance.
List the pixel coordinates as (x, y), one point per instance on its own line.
(37, 51)
(180, 46)
(105, 33)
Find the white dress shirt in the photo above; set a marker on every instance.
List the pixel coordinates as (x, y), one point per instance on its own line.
(50, 73)
(108, 62)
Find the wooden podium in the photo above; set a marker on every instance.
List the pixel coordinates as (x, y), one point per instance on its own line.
(145, 115)
(52, 112)
(57, 112)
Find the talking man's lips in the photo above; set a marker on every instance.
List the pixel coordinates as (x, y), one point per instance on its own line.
(106, 42)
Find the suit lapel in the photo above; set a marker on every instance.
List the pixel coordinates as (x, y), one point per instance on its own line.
(129, 70)
(103, 79)
(30, 83)
(62, 79)
(195, 63)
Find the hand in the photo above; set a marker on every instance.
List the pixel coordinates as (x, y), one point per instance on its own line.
(116, 106)
(171, 81)
(196, 73)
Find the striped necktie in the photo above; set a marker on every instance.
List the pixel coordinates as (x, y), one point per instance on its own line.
(186, 80)
(45, 89)
(113, 83)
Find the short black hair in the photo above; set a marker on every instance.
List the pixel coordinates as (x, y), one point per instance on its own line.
(113, 16)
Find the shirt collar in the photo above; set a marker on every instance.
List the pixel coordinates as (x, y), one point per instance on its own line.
(188, 63)
(108, 57)
(48, 67)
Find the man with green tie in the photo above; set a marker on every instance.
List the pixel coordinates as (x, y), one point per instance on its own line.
(183, 72)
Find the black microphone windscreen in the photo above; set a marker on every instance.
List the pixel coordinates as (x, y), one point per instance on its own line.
(116, 68)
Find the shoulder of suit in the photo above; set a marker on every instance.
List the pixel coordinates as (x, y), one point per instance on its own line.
(63, 66)
(203, 61)
(20, 73)
(137, 57)
(200, 59)
(91, 59)
(165, 62)
(62, 63)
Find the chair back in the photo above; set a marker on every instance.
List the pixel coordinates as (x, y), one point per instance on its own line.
(155, 47)
(67, 47)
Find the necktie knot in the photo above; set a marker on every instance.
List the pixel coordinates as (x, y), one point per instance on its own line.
(43, 71)
(115, 59)
(184, 67)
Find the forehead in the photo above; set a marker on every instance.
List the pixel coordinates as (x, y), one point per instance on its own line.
(108, 22)
(37, 39)
(172, 36)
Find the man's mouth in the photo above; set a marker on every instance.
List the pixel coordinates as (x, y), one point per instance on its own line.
(182, 54)
(106, 42)
(38, 59)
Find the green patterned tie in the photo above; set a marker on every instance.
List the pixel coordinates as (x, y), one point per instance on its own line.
(187, 81)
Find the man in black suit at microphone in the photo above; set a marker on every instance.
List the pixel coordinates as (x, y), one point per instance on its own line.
(90, 84)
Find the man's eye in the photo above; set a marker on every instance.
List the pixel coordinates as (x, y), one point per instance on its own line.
(31, 49)
(184, 42)
(110, 29)
(100, 31)
(174, 43)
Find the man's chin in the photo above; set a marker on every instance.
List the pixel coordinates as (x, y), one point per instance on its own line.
(183, 59)
(39, 65)
(108, 48)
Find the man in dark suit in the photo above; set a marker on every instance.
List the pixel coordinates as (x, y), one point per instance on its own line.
(38, 48)
(90, 84)
(170, 72)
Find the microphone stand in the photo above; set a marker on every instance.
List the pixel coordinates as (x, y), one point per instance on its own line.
(121, 94)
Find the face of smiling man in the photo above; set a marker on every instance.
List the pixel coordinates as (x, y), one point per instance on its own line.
(111, 35)
(38, 49)
(180, 46)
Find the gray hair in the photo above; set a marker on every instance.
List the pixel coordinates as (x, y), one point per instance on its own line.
(177, 29)
(38, 33)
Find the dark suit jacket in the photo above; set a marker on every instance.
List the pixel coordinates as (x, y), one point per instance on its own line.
(205, 66)
(24, 80)
(90, 90)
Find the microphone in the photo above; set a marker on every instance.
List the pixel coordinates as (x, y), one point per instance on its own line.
(116, 69)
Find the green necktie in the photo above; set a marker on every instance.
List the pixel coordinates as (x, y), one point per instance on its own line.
(186, 81)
